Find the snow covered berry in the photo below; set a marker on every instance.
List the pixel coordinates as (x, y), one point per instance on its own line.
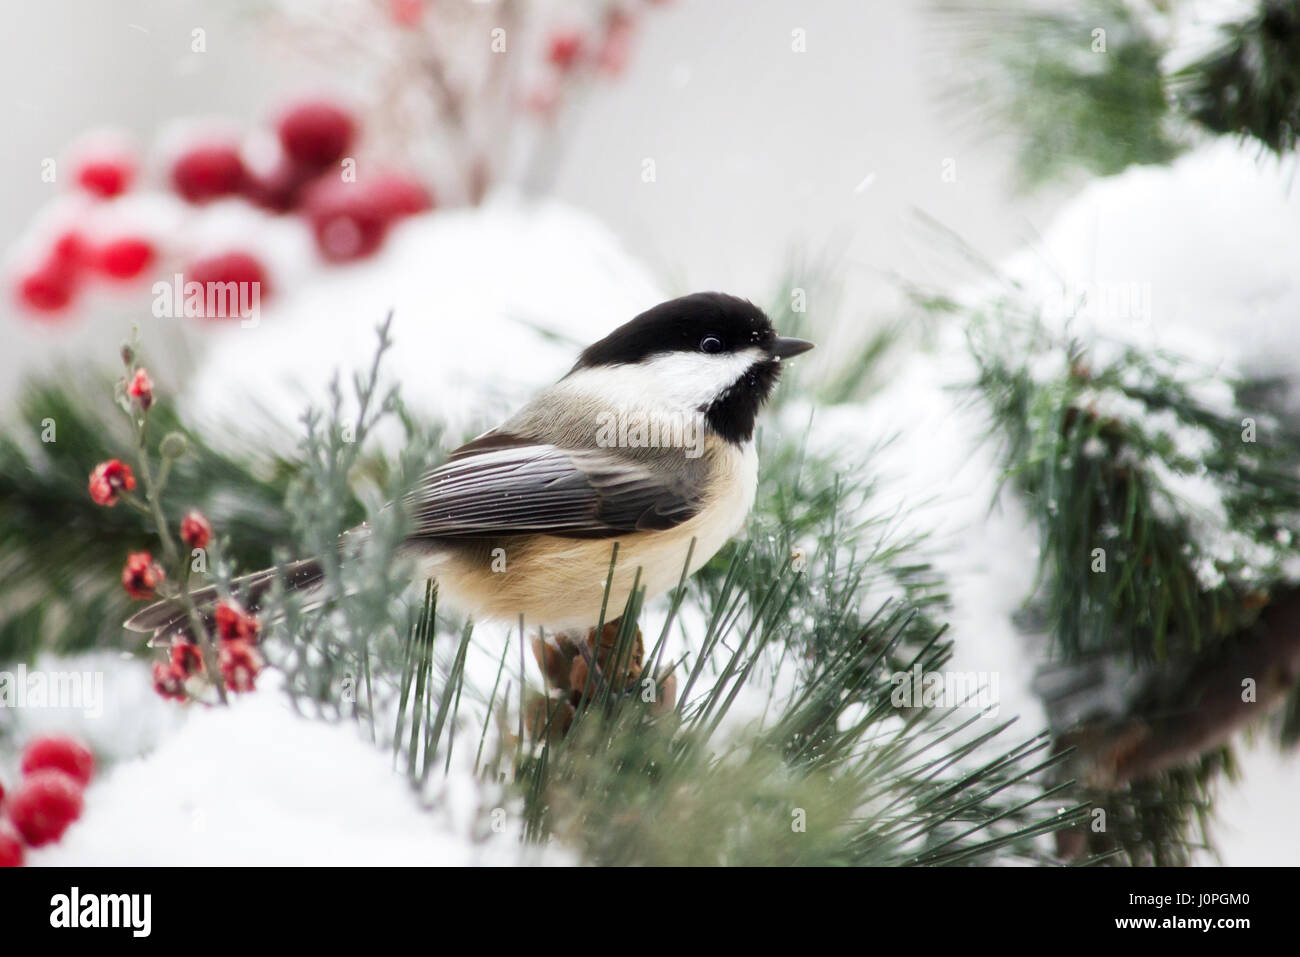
(46, 289)
(110, 479)
(11, 846)
(209, 171)
(316, 133)
(45, 805)
(125, 257)
(61, 754)
(396, 194)
(280, 189)
(105, 175)
(70, 251)
(240, 665)
(241, 268)
(348, 221)
(196, 532)
(141, 575)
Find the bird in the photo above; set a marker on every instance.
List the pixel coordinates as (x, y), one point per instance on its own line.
(647, 443)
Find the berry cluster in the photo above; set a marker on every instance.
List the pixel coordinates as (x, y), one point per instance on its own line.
(55, 771)
(237, 656)
(193, 663)
(574, 53)
(348, 209)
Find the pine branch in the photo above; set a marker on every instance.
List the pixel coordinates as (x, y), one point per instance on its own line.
(1081, 87)
(1166, 584)
(1091, 87)
(1250, 84)
(61, 590)
(602, 775)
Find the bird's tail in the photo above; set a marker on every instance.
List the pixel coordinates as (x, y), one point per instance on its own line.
(166, 619)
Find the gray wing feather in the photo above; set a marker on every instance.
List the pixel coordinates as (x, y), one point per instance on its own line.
(514, 489)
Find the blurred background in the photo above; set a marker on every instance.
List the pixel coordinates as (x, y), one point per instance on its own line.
(526, 175)
(762, 154)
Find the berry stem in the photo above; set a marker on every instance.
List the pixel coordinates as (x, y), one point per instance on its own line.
(171, 554)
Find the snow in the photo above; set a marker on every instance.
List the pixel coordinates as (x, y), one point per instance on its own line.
(936, 472)
(1215, 238)
(1198, 258)
(1194, 27)
(1211, 244)
(256, 783)
(489, 305)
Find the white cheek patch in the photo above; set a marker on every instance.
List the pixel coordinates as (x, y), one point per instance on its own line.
(680, 379)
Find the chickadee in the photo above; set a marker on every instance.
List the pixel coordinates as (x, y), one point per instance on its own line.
(647, 442)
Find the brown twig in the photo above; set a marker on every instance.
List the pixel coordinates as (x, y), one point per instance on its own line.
(1182, 713)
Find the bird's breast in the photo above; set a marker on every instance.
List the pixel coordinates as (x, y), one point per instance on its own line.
(560, 583)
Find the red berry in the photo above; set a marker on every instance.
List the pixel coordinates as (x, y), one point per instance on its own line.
(61, 754)
(43, 807)
(48, 288)
(52, 285)
(543, 99)
(240, 665)
(240, 268)
(349, 220)
(141, 388)
(196, 531)
(124, 258)
(316, 132)
(396, 195)
(406, 13)
(281, 189)
(208, 172)
(186, 657)
(105, 176)
(616, 45)
(11, 846)
(235, 624)
(70, 251)
(108, 479)
(169, 680)
(565, 48)
(141, 575)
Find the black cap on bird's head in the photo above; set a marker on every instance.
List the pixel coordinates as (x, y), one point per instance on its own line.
(708, 322)
(726, 332)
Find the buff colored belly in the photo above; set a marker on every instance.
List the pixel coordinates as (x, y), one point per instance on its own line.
(560, 583)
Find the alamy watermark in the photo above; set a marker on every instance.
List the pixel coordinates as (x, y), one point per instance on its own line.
(638, 429)
(1126, 301)
(77, 690)
(208, 300)
(133, 912)
(945, 689)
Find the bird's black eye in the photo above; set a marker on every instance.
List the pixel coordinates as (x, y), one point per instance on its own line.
(710, 344)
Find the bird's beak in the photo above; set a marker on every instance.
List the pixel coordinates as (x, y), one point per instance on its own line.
(784, 348)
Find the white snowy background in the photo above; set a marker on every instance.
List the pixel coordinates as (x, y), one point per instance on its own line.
(760, 158)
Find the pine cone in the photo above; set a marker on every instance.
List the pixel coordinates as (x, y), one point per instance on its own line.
(541, 710)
